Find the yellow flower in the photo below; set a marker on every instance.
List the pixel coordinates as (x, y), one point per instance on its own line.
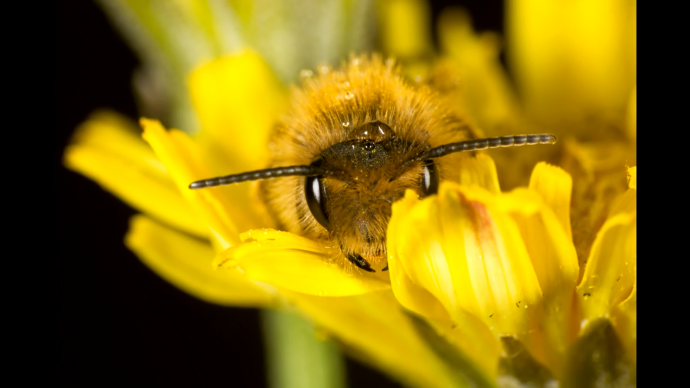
(290, 270)
(498, 287)
(507, 260)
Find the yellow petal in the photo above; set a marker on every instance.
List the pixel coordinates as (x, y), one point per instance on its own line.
(631, 124)
(624, 319)
(181, 157)
(376, 329)
(412, 296)
(610, 274)
(472, 337)
(550, 249)
(470, 257)
(108, 149)
(238, 99)
(404, 28)
(480, 171)
(186, 262)
(632, 177)
(572, 56)
(294, 263)
(555, 187)
(420, 255)
(554, 260)
(484, 85)
(464, 331)
(492, 259)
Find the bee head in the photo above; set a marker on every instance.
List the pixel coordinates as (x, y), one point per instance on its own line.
(350, 187)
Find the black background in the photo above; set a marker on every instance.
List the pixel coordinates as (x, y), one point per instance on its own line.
(118, 323)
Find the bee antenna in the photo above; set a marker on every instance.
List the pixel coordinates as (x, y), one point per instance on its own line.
(491, 142)
(261, 174)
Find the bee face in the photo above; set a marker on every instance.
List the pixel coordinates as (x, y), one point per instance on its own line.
(354, 205)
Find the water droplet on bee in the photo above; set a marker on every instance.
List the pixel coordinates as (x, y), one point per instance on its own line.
(349, 96)
(346, 124)
(306, 73)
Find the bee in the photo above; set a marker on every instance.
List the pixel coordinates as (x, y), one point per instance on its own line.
(352, 142)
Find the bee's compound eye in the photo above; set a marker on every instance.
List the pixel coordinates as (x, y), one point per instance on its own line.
(429, 181)
(315, 192)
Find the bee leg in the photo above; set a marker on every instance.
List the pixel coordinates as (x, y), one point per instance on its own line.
(385, 268)
(360, 262)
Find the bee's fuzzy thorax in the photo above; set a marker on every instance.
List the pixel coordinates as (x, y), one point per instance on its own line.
(324, 118)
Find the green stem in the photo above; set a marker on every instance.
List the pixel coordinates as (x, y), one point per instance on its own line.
(295, 357)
